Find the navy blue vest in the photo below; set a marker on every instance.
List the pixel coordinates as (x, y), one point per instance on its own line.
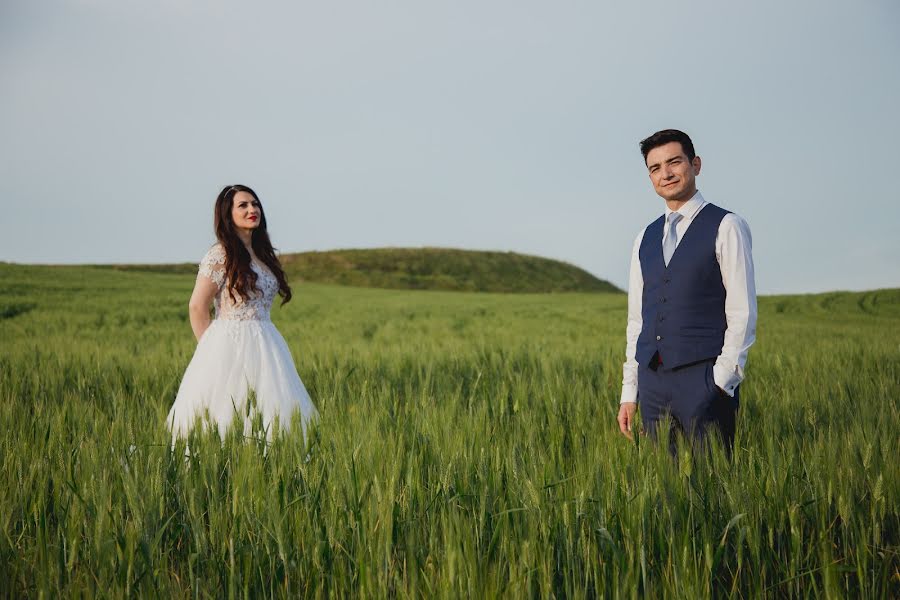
(683, 306)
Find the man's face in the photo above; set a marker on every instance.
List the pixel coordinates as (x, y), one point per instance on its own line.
(672, 174)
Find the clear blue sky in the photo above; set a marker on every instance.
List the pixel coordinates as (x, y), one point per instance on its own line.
(488, 125)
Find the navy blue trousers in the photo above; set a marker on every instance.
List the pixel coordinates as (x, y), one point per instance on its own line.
(688, 395)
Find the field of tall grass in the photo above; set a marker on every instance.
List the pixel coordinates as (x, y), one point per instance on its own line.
(467, 447)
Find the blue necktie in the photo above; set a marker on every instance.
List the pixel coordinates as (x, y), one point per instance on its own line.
(671, 237)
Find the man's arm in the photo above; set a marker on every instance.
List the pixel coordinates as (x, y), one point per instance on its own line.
(734, 253)
(628, 402)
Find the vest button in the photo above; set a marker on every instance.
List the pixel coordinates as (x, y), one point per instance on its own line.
(662, 317)
(663, 299)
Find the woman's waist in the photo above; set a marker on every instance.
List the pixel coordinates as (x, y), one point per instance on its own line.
(243, 319)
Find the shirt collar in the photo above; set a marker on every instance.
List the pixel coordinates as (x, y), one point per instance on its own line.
(690, 208)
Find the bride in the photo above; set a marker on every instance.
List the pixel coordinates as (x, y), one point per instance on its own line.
(240, 350)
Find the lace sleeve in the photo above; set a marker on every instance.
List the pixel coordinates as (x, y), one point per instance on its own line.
(213, 265)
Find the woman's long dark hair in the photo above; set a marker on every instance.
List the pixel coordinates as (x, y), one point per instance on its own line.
(240, 277)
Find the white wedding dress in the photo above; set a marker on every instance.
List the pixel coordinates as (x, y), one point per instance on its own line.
(240, 351)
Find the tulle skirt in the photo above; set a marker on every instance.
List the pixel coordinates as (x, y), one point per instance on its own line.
(235, 361)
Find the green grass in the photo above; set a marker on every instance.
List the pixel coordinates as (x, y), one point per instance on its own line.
(466, 448)
(444, 269)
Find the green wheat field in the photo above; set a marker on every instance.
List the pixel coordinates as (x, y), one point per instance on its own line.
(467, 448)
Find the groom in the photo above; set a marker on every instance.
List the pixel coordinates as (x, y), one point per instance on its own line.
(691, 304)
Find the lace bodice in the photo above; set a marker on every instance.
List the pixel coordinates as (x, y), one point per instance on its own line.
(255, 308)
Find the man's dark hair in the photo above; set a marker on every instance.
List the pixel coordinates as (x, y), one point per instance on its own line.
(661, 138)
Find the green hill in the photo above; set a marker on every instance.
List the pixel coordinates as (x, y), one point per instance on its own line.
(428, 269)
(443, 269)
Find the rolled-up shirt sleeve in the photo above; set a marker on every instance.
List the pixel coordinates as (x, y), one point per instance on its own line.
(734, 253)
(635, 322)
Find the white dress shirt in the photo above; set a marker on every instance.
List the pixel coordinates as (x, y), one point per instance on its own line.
(733, 252)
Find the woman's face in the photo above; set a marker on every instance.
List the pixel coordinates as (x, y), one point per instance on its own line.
(246, 211)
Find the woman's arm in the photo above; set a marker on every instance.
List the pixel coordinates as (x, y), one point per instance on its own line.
(198, 307)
